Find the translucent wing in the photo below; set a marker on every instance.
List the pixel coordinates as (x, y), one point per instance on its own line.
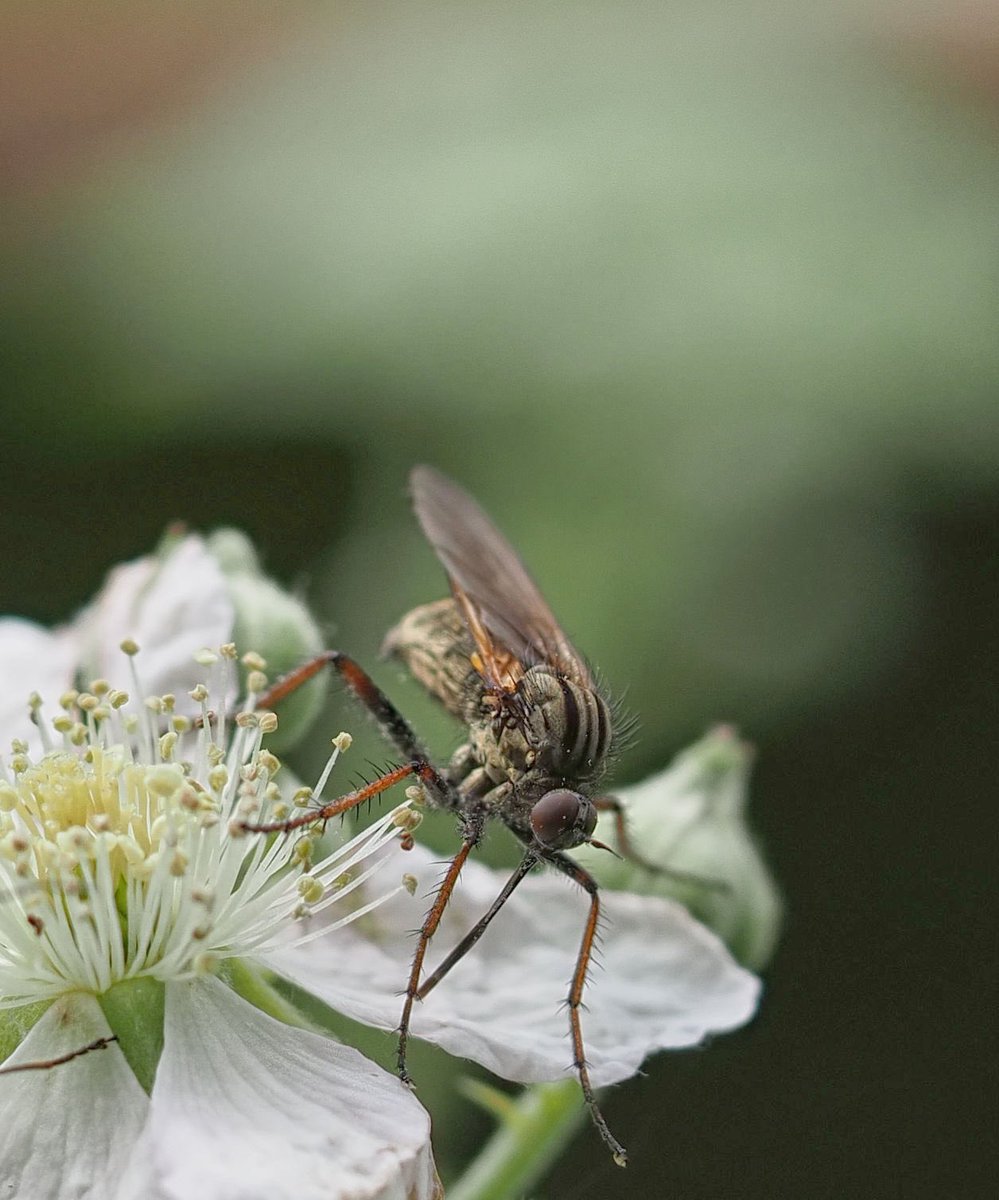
(508, 618)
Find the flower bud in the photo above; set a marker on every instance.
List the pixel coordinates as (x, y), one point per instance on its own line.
(688, 825)
(275, 625)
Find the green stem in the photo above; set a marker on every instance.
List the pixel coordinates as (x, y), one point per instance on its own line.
(540, 1123)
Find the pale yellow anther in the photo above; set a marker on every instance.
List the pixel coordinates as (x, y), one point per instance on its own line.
(256, 682)
(68, 699)
(279, 812)
(270, 762)
(178, 863)
(8, 798)
(87, 701)
(199, 694)
(163, 780)
(410, 883)
(168, 743)
(218, 777)
(310, 889)
(100, 687)
(154, 703)
(206, 658)
(10, 847)
(181, 724)
(415, 794)
(74, 841)
(78, 734)
(272, 793)
(19, 763)
(169, 701)
(302, 852)
(302, 797)
(63, 723)
(268, 722)
(129, 646)
(343, 741)
(228, 650)
(407, 820)
(253, 661)
(34, 701)
(102, 712)
(246, 720)
(117, 698)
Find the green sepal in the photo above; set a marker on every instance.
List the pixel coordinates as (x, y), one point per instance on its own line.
(15, 1024)
(134, 1009)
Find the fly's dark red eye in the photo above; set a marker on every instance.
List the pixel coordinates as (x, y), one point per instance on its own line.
(562, 819)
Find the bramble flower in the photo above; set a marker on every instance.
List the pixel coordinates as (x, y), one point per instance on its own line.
(150, 1058)
(137, 909)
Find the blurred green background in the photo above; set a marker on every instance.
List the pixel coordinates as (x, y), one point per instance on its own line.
(702, 301)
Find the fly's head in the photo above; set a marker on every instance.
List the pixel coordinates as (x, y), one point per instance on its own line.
(563, 819)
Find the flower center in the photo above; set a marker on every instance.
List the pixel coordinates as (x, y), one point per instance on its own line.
(116, 861)
(74, 808)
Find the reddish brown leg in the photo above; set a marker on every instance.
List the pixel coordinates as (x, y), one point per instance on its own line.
(393, 725)
(468, 941)
(336, 808)
(575, 1001)
(627, 850)
(473, 831)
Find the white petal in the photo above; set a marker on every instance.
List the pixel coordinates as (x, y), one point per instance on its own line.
(172, 605)
(665, 981)
(68, 1131)
(32, 659)
(244, 1106)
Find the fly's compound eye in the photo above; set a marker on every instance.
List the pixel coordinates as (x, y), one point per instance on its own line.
(562, 819)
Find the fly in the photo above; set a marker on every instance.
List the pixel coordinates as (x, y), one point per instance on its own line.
(539, 733)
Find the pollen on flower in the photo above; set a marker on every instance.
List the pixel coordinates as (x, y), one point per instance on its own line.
(122, 847)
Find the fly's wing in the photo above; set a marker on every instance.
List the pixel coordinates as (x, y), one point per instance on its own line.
(508, 618)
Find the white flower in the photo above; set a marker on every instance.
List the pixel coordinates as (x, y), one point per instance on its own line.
(131, 907)
(665, 981)
(239, 1104)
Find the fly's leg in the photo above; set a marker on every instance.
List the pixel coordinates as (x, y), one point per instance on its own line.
(472, 834)
(478, 929)
(432, 781)
(393, 725)
(575, 1000)
(627, 850)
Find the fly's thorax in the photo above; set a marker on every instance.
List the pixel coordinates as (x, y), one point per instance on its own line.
(569, 723)
(433, 644)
